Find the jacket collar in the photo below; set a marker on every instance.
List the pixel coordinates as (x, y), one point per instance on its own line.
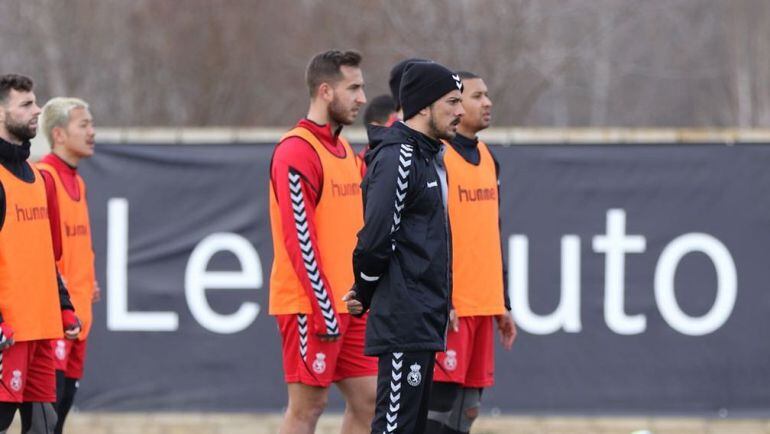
(14, 153)
(426, 144)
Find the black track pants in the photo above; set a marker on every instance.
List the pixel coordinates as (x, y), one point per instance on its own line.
(403, 390)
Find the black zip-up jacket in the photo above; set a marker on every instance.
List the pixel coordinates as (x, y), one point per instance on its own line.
(401, 262)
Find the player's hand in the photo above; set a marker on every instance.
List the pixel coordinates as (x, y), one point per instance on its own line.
(507, 329)
(71, 324)
(97, 293)
(354, 306)
(6, 336)
(454, 322)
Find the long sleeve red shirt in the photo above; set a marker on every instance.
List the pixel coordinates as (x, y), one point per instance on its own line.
(298, 156)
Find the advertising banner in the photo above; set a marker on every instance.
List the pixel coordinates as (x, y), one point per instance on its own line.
(638, 276)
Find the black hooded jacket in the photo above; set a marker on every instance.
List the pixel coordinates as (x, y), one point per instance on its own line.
(401, 262)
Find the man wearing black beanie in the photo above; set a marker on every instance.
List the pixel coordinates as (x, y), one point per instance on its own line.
(394, 82)
(401, 261)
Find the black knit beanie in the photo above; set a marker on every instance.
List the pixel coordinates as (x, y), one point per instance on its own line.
(395, 77)
(423, 83)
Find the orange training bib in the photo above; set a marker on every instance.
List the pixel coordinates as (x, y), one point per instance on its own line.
(477, 264)
(338, 218)
(76, 264)
(29, 297)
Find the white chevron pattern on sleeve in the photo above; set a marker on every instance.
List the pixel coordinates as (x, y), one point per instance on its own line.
(308, 257)
(402, 185)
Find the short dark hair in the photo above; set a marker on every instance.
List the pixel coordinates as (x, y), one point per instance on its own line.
(467, 75)
(379, 110)
(325, 67)
(19, 83)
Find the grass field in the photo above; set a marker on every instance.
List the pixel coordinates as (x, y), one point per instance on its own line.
(239, 423)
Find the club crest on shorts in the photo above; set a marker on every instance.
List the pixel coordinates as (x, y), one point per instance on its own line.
(61, 349)
(319, 365)
(450, 361)
(16, 380)
(414, 377)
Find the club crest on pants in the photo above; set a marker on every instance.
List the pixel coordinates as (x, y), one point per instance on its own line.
(61, 349)
(450, 361)
(414, 377)
(16, 380)
(319, 365)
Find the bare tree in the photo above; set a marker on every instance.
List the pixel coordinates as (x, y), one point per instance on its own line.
(664, 63)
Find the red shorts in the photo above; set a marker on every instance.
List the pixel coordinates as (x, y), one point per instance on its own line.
(70, 356)
(28, 372)
(470, 356)
(319, 363)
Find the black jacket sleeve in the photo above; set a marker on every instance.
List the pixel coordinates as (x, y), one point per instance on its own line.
(2, 207)
(64, 296)
(506, 297)
(385, 189)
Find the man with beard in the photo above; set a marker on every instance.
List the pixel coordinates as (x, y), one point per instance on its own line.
(68, 126)
(34, 304)
(479, 295)
(401, 261)
(315, 212)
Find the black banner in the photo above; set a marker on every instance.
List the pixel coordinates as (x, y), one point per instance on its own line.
(638, 276)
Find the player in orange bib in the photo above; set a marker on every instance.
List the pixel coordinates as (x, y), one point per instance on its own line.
(34, 304)
(479, 296)
(68, 126)
(315, 212)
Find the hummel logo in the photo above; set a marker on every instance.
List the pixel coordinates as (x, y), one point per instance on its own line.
(458, 82)
(433, 184)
